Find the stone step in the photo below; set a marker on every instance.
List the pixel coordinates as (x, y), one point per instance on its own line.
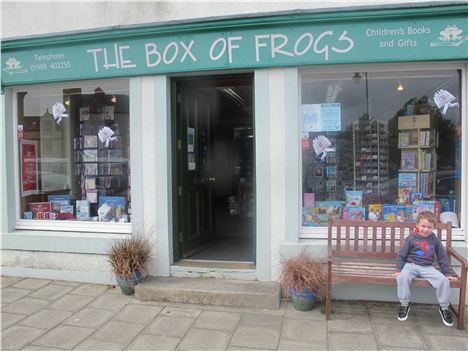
(220, 292)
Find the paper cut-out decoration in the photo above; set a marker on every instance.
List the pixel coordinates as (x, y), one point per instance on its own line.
(444, 99)
(58, 111)
(322, 145)
(106, 135)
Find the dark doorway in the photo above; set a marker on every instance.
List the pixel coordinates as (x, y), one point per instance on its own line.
(214, 180)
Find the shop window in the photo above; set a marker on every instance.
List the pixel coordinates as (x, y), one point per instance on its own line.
(381, 145)
(74, 151)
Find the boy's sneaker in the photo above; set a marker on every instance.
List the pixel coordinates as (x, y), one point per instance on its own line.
(446, 317)
(403, 313)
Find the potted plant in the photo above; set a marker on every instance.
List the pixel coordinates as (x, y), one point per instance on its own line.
(303, 279)
(128, 258)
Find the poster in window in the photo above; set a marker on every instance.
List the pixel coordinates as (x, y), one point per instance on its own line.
(29, 168)
(325, 117)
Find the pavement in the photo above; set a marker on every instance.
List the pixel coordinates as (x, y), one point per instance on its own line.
(39, 314)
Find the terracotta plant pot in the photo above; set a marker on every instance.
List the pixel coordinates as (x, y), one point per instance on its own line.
(302, 300)
(127, 285)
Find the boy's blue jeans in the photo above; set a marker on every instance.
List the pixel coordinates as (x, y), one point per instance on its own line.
(432, 275)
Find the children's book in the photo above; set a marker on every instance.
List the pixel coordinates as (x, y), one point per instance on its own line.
(394, 213)
(353, 198)
(90, 141)
(331, 186)
(375, 212)
(91, 195)
(404, 139)
(66, 212)
(406, 185)
(90, 155)
(354, 213)
(309, 200)
(331, 171)
(409, 159)
(328, 209)
(415, 196)
(431, 206)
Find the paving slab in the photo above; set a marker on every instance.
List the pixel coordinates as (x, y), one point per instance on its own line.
(403, 336)
(154, 342)
(25, 305)
(305, 331)
(111, 302)
(91, 289)
(261, 320)
(120, 333)
(138, 313)
(180, 312)
(351, 341)
(260, 338)
(71, 302)
(170, 326)
(439, 342)
(12, 294)
(217, 320)
(315, 314)
(18, 336)
(8, 319)
(7, 281)
(203, 339)
(89, 318)
(45, 319)
(98, 345)
(51, 292)
(349, 323)
(64, 337)
(31, 283)
(287, 344)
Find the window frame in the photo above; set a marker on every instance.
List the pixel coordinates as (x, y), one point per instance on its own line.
(458, 234)
(62, 225)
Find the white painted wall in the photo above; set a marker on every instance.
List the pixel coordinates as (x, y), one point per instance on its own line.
(21, 19)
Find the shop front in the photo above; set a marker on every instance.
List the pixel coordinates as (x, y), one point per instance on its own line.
(230, 142)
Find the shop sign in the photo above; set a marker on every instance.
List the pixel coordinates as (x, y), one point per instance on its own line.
(441, 38)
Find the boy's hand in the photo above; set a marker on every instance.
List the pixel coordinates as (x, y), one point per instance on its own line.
(452, 278)
(396, 274)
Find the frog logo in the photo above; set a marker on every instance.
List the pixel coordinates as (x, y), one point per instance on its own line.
(450, 36)
(13, 66)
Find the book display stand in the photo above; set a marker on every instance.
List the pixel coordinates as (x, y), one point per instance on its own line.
(417, 141)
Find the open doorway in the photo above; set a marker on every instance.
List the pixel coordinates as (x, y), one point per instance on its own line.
(214, 168)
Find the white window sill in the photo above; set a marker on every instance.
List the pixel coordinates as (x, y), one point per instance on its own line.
(74, 226)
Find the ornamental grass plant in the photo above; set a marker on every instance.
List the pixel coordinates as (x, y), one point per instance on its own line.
(302, 272)
(127, 256)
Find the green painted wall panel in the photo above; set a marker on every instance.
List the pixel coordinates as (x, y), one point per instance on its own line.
(305, 41)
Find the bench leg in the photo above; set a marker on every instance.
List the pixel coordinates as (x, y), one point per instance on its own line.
(461, 301)
(328, 294)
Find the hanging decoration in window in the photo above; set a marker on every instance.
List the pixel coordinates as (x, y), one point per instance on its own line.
(106, 135)
(444, 99)
(58, 111)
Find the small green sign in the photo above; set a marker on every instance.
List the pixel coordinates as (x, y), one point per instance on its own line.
(430, 38)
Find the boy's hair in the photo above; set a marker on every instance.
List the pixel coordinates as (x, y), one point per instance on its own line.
(428, 216)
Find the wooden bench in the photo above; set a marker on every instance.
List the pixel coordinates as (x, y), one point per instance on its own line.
(365, 252)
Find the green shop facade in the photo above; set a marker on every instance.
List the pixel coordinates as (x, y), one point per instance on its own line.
(229, 142)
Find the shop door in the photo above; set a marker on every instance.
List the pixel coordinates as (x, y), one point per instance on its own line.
(195, 180)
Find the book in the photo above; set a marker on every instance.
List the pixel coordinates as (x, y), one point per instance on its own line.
(90, 169)
(90, 183)
(82, 209)
(415, 196)
(90, 141)
(394, 213)
(330, 186)
(91, 195)
(375, 212)
(331, 171)
(407, 183)
(431, 206)
(309, 200)
(63, 199)
(404, 139)
(66, 212)
(116, 204)
(353, 198)
(354, 213)
(39, 208)
(409, 159)
(89, 155)
(324, 210)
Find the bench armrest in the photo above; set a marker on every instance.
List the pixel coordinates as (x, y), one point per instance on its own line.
(463, 261)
